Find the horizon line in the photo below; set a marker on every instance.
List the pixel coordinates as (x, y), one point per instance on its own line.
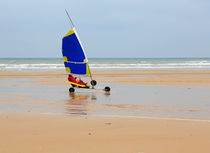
(97, 57)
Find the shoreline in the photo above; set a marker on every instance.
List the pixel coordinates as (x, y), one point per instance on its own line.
(112, 72)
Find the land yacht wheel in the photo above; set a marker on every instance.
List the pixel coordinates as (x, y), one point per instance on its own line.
(93, 82)
(71, 89)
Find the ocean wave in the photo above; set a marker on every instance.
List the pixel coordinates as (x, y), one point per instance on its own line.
(109, 64)
(43, 66)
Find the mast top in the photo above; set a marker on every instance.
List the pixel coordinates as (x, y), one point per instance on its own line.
(69, 18)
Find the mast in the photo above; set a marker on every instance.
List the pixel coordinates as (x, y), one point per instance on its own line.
(69, 18)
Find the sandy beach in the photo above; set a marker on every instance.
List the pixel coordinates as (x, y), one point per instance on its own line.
(44, 133)
(168, 112)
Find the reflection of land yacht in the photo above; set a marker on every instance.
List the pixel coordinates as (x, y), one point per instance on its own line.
(78, 103)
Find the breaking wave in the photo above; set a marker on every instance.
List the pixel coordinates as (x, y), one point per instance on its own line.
(105, 64)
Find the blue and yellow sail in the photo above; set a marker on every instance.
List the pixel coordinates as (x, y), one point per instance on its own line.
(74, 57)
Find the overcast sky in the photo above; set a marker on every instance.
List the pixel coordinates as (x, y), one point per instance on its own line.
(107, 28)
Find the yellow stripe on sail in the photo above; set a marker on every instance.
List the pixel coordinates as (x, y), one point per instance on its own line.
(70, 32)
(68, 70)
(65, 59)
(87, 69)
(85, 60)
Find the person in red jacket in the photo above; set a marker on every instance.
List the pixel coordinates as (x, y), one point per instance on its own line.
(77, 80)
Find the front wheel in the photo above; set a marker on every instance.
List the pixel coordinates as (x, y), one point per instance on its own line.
(93, 82)
(71, 90)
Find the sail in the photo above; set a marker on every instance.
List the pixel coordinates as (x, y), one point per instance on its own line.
(74, 57)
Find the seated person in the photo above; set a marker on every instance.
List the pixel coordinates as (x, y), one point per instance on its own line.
(77, 80)
(71, 78)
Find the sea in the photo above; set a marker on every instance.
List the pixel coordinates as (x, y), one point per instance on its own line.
(104, 64)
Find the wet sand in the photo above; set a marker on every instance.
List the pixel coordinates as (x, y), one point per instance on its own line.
(146, 112)
(162, 78)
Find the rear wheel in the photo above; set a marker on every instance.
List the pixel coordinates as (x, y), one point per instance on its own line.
(107, 89)
(71, 89)
(93, 82)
